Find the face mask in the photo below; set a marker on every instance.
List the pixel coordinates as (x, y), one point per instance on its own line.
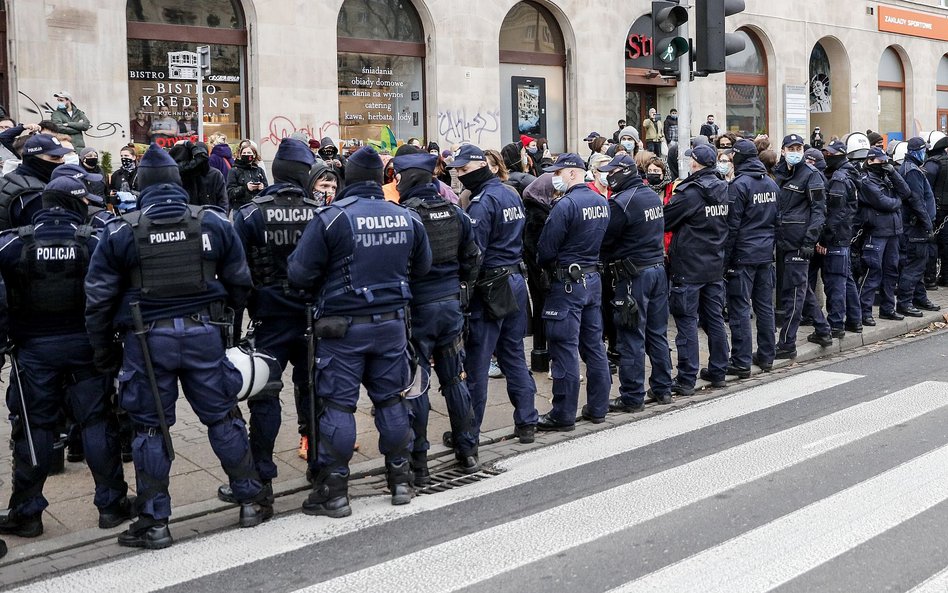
(246, 160)
(724, 168)
(532, 150)
(559, 184)
(654, 178)
(71, 158)
(43, 168)
(61, 106)
(603, 178)
(918, 155)
(794, 158)
(628, 145)
(319, 197)
(835, 161)
(91, 163)
(877, 168)
(673, 116)
(128, 164)
(475, 178)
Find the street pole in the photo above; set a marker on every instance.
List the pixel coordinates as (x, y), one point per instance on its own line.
(684, 104)
(200, 100)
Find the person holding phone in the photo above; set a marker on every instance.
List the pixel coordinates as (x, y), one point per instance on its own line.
(246, 178)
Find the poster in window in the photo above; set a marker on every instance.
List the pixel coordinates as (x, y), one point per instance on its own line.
(529, 97)
(821, 96)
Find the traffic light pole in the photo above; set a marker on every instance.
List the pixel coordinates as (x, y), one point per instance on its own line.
(200, 101)
(684, 104)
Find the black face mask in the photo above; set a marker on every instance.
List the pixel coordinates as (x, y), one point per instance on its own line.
(475, 178)
(128, 164)
(245, 160)
(91, 163)
(877, 168)
(618, 178)
(43, 169)
(834, 162)
(654, 178)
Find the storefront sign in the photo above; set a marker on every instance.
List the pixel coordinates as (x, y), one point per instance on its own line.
(638, 44)
(376, 92)
(796, 109)
(917, 24)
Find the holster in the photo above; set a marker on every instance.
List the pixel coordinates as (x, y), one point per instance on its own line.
(333, 327)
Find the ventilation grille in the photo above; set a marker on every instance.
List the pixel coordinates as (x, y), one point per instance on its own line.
(455, 478)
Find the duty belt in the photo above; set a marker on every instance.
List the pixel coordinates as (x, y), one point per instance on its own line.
(511, 269)
(192, 320)
(575, 272)
(377, 318)
(623, 268)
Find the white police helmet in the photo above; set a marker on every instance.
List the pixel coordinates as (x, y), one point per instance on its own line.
(857, 145)
(258, 371)
(420, 376)
(897, 151)
(932, 137)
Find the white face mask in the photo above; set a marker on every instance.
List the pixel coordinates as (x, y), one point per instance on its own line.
(604, 179)
(559, 184)
(724, 168)
(71, 159)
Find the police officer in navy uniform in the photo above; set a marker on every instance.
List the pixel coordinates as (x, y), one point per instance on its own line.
(843, 311)
(569, 250)
(697, 215)
(182, 264)
(936, 170)
(749, 257)
(97, 215)
(498, 321)
(917, 240)
(20, 189)
(437, 318)
(634, 248)
(880, 202)
(356, 255)
(43, 267)
(269, 228)
(801, 211)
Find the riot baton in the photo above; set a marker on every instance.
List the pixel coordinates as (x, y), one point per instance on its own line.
(139, 326)
(311, 384)
(24, 417)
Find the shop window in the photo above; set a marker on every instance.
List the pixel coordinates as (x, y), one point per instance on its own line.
(746, 91)
(518, 33)
(381, 65)
(163, 92)
(891, 95)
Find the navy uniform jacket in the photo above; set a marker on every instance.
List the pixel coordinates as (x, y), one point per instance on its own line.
(880, 203)
(329, 255)
(573, 232)
(697, 215)
(636, 225)
(98, 217)
(918, 209)
(268, 301)
(801, 205)
(444, 279)
(931, 168)
(497, 214)
(52, 224)
(841, 204)
(752, 215)
(108, 293)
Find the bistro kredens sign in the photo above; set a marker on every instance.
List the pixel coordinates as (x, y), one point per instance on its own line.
(909, 22)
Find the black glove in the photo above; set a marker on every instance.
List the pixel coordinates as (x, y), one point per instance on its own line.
(806, 252)
(888, 168)
(109, 359)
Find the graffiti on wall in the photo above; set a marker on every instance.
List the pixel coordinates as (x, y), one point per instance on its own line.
(281, 127)
(455, 125)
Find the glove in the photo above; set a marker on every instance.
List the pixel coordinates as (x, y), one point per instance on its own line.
(888, 168)
(109, 359)
(930, 236)
(806, 252)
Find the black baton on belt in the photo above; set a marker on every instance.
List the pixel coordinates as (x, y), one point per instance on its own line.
(140, 331)
(24, 417)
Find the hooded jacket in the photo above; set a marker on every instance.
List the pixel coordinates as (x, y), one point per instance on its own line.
(237, 179)
(204, 184)
(222, 158)
(697, 215)
(329, 152)
(880, 203)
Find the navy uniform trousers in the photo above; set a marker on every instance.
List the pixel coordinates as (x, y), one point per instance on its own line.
(881, 258)
(913, 254)
(650, 291)
(842, 297)
(505, 338)
(686, 302)
(191, 352)
(795, 287)
(375, 355)
(57, 371)
(751, 286)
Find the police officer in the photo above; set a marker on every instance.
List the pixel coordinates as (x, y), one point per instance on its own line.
(917, 240)
(183, 264)
(843, 312)
(569, 250)
(936, 170)
(634, 249)
(437, 318)
(21, 188)
(801, 211)
(269, 228)
(883, 190)
(749, 257)
(43, 267)
(498, 320)
(97, 215)
(356, 255)
(697, 215)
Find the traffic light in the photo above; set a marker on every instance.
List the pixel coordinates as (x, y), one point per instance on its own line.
(204, 59)
(713, 44)
(668, 46)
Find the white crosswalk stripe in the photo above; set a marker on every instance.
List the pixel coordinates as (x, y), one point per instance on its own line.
(190, 560)
(937, 583)
(504, 548)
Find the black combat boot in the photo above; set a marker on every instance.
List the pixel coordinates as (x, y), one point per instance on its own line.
(419, 469)
(13, 523)
(399, 482)
(329, 497)
(117, 513)
(148, 533)
(226, 494)
(3, 548)
(254, 513)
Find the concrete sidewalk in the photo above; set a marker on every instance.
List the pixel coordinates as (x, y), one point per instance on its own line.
(71, 519)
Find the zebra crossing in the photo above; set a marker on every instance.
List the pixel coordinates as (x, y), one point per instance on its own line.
(754, 491)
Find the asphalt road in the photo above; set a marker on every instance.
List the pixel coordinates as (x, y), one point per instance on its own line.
(830, 479)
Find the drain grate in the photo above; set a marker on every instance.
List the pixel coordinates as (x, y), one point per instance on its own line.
(455, 478)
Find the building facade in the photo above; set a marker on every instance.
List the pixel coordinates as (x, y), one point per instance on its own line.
(448, 71)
